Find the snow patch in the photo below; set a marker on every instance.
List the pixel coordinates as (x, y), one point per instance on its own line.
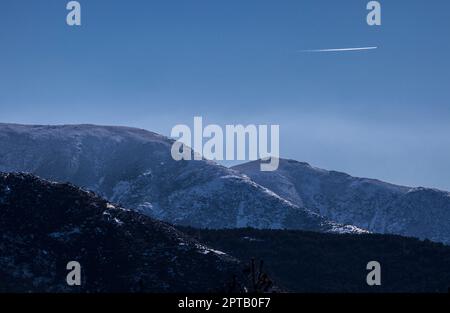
(205, 250)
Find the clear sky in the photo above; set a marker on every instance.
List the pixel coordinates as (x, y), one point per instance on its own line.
(381, 113)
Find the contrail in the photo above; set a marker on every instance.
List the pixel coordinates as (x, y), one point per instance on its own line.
(340, 49)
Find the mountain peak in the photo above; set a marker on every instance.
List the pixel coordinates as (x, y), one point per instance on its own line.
(74, 130)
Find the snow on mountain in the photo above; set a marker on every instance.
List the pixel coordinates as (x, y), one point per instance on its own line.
(134, 167)
(44, 226)
(370, 204)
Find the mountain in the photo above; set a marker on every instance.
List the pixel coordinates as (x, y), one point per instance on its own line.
(316, 262)
(44, 225)
(134, 167)
(367, 203)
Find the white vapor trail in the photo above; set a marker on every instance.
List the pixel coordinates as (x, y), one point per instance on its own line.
(340, 49)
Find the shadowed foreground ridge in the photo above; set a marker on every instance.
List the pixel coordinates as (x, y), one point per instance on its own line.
(302, 261)
(45, 225)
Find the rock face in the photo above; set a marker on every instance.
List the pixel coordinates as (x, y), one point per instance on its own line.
(370, 204)
(44, 225)
(134, 167)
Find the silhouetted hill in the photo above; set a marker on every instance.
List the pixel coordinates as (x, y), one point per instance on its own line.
(45, 225)
(314, 262)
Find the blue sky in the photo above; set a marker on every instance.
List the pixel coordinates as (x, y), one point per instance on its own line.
(381, 113)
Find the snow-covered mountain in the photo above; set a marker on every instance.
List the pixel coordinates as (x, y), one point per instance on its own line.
(370, 204)
(134, 167)
(44, 226)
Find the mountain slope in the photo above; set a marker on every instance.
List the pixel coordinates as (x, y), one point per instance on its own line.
(134, 167)
(43, 226)
(370, 204)
(315, 262)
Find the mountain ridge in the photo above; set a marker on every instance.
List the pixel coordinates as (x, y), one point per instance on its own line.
(370, 204)
(45, 225)
(134, 167)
